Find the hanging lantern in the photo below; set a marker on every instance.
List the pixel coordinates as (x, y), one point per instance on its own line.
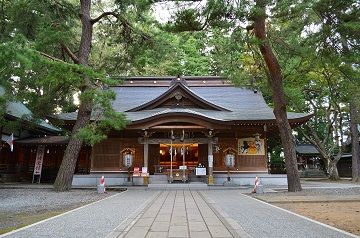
(229, 160)
(128, 160)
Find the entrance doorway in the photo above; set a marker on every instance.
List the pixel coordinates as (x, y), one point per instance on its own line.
(190, 160)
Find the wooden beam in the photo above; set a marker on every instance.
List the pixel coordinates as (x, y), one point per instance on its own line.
(177, 141)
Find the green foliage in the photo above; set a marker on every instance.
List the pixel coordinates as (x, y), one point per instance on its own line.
(35, 68)
(2, 109)
(316, 43)
(40, 83)
(104, 118)
(186, 20)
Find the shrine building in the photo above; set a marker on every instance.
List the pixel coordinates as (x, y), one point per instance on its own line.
(184, 129)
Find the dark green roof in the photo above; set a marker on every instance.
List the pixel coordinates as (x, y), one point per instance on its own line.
(20, 111)
(306, 149)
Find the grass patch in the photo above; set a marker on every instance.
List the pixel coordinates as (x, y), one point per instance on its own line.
(17, 221)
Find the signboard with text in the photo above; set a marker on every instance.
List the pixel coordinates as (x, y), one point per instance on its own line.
(39, 159)
(38, 163)
(200, 171)
(211, 160)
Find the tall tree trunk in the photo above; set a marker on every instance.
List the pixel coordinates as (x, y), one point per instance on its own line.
(355, 141)
(1, 142)
(66, 172)
(333, 171)
(278, 97)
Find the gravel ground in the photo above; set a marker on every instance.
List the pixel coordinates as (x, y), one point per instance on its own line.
(311, 195)
(319, 191)
(93, 221)
(31, 200)
(21, 207)
(262, 220)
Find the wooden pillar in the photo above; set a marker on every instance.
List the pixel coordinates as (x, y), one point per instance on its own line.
(146, 149)
(146, 152)
(210, 159)
(266, 149)
(210, 163)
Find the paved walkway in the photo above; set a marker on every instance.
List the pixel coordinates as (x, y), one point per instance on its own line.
(95, 220)
(181, 213)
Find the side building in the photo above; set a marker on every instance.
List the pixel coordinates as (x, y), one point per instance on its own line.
(15, 161)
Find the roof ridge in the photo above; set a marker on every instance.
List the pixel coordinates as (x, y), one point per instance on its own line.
(172, 88)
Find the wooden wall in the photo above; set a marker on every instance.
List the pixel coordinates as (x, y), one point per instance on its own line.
(21, 162)
(242, 162)
(154, 157)
(106, 155)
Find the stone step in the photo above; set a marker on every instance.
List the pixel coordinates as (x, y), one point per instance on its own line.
(158, 177)
(157, 182)
(185, 186)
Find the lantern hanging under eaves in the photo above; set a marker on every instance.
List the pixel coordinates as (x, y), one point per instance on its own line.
(128, 160)
(229, 160)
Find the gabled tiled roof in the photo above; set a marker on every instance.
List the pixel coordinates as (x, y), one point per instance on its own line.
(240, 104)
(20, 111)
(306, 149)
(187, 91)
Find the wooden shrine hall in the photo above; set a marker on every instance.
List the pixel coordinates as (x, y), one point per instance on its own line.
(185, 129)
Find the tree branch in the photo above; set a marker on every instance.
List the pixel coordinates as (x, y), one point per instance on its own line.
(315, 140)
(51, 57)
(104, 14)
(125, 23)
(70, 53)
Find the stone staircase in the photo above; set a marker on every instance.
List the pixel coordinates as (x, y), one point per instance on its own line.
(158, 179)
(181, 186)
(312, 173)
(194, 178)
(160, 182)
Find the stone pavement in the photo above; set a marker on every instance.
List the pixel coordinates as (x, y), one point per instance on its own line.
(219, 213)
(182, 213)
(179, 213)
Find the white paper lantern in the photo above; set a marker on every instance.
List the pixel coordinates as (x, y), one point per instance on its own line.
(128, 160)
(229, 160)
